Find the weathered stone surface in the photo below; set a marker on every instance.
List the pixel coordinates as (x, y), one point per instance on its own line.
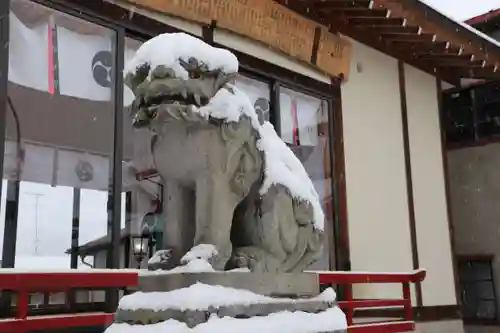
(293, 285)
(213, 170)
(196, 317)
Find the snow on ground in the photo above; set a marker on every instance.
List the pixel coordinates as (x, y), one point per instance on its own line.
(281, 322)
(46, 263)
(201, 296)
(282, 166)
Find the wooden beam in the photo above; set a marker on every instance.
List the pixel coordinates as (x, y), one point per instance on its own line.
(453, 56)
(381, 29)
(409, 38)
(409, 176)
(334, 4)
(420, 48)
(374, 21)
(357, 12)
(368, 35)
(460, 63)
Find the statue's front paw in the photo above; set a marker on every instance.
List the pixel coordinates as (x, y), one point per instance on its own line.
(203, 252)
(240, 261)
(161, 260)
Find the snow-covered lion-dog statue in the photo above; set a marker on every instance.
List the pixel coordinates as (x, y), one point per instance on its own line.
(253, 200)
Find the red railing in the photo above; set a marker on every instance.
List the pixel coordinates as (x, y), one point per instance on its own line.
(24, 283)
(349, 305)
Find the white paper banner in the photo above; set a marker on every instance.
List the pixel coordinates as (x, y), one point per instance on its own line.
(308, 111)
(258, 93)
(84, 61)
(28, 55)
(307, 118)
(82, 170)
(38, 163)
(84, 65)
(286, 118)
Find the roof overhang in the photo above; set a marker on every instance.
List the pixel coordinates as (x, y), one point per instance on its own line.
(409, 30)
(100, 244)
(487, 22)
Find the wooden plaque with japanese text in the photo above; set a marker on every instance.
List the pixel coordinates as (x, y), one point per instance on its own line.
(265, 21)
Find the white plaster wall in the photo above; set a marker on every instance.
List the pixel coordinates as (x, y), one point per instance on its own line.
(429, 197)
(260, 51)
(181, 24)
(375, 170)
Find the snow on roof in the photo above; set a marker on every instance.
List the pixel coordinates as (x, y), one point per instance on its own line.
(493, 14)
(463, 25)
(167, 49)
(229, 104)
(331, 320)
(201, 296)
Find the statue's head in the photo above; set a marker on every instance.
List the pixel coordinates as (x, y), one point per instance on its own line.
(176, 72)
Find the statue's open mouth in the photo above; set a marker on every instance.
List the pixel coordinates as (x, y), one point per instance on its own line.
(167, 94)
(179, 99)
(165, 91)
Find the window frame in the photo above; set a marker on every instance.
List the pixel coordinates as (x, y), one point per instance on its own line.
(478, 138)
(465, 286)
(142, 28)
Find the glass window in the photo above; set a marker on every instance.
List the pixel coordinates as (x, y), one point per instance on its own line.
(59, 133)
(304, 127)
(472, 114)
(142, 195)
(259, 94)
(459, 117)
(477, 289)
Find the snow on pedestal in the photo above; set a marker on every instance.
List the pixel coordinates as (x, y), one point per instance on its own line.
(207, 308)
(208, 299)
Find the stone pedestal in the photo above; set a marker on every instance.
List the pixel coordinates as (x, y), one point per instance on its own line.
(293, 285)
(160, 298)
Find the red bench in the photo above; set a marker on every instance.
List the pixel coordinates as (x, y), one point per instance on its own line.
(349, 305)
(24, 283)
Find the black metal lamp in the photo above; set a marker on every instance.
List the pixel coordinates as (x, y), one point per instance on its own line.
(141, 246)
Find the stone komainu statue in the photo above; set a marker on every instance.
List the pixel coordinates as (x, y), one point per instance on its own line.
(208, 140)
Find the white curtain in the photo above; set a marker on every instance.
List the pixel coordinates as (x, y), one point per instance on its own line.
(300, 114)
(28, 55)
